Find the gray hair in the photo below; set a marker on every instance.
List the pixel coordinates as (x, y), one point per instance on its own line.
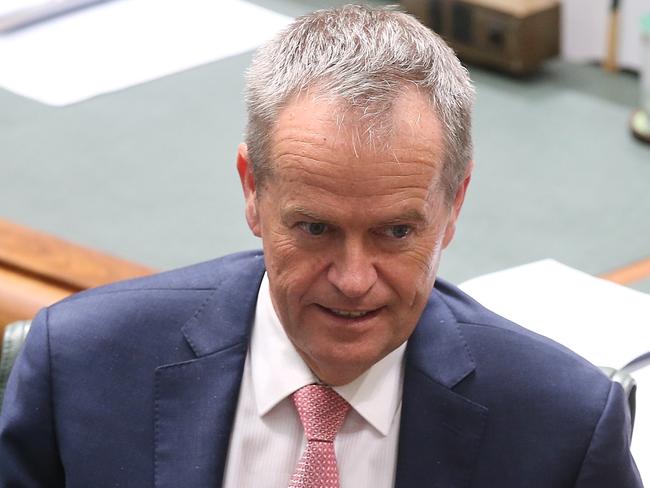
(365, 57)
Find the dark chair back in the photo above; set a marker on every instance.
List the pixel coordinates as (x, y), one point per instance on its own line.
(12, 342)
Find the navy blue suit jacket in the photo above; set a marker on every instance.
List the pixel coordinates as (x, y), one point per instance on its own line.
(136, 384)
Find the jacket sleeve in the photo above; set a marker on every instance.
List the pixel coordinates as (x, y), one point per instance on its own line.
(28, 449)
(608, 462)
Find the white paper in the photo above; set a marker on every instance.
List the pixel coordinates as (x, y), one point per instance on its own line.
(585, 27)
(126, 42)
(15, 14)
(12, 6)
(606, 323)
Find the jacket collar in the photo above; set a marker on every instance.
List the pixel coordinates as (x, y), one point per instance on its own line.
(196, 400)
(226, 317)
(440, 430)
(437, 348)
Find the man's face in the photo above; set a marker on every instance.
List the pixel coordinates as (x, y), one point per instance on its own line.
(352, 234)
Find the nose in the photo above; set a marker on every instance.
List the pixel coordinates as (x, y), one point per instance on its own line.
(353, 271)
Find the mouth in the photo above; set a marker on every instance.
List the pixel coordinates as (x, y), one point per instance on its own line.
(351, 314)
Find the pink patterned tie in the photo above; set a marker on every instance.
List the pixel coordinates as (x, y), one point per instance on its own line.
(321, 412)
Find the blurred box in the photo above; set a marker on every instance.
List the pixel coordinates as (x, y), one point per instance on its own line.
(516, 36)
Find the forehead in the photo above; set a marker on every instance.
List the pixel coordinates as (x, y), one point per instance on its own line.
(321, 135)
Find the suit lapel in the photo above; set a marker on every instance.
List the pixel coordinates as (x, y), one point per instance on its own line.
(440, 430)
(196, 400)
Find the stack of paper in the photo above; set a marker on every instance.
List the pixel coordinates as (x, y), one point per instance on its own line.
(121, 43)
(19, 13)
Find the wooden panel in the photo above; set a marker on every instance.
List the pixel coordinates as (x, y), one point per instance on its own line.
(54, 259)
(22, 296)
(631, 273)
(37, 269)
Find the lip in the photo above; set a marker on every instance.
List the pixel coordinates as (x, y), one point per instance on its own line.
(350, 316)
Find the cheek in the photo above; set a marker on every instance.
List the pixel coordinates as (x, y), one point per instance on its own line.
(424, 259)
(293, 272)
(279, 248)
(280, 259)
(413, 273)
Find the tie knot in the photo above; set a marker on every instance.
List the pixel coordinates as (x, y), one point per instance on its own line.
(321, 411)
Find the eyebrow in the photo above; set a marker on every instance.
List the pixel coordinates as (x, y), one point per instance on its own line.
(291, 211)
(410, 215)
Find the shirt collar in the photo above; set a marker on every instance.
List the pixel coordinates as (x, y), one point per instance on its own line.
(278, 370)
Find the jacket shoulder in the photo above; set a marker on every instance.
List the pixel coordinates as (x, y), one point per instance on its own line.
(153, 306)
(539, 394)
(525, 364)
(476, 320)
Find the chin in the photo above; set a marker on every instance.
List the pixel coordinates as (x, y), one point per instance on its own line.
(341, 364)
(342, 377)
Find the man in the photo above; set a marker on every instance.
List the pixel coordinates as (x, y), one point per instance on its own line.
(330, 359)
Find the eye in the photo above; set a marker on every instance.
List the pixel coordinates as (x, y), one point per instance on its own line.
(398, 231)
(313, 228)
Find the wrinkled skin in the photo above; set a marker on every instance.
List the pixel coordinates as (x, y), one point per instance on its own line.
(352, 234)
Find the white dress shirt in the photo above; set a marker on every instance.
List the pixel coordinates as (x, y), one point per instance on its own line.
(268, 438)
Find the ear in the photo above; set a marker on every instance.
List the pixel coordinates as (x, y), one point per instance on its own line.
(245, 170)
(459, 198)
